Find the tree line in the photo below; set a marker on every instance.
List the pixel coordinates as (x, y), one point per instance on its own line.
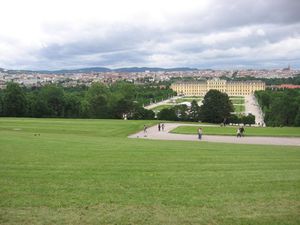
(216, 108)
(119, 100)
(116, 101)
(281, 107)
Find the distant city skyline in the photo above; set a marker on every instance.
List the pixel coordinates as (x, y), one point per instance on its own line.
(216, 34)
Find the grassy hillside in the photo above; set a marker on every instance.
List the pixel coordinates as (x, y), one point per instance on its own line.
(249, 131)
(88, 172)
(81, 127)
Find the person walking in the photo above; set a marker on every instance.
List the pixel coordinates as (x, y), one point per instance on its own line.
(145, 130)
(238, 132)
(242, 131)
(200, 133)
(159, 127)
(163, 126)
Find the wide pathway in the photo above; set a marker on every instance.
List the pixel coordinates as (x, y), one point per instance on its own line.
(252, 106)
(164, 102)
(153, 133)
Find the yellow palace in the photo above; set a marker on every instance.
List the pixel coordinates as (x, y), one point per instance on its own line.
(232, 88)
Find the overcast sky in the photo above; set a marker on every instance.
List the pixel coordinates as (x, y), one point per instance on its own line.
(220, 34)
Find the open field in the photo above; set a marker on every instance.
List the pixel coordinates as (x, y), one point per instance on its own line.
(160, 107)
(180, 100)
(237, 100)
(249, 131)
(240, 97)
(238, 103)
(88, 172)
(239, 108)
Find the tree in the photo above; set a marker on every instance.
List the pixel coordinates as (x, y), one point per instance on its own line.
(181, 112)
(194, 111)
(1, 104)
(72, 105)
(141, 113)
(36, 105)
(122, 108)
(124, 89)
(216, 106)
(249, 119)
(167, 114)
(297, 118)
(97, 101)
(14, 101)
(53, 96)
(282, 106)
(233, 118)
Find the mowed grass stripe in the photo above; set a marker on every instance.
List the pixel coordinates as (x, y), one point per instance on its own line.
(85, 127)
(70, 178)
(239, 108)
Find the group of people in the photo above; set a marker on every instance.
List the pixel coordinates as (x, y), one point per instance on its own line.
(240, 132)
(161, 127)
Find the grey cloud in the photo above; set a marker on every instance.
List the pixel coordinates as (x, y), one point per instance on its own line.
(118, 38)
(228, 14)
(181, 40)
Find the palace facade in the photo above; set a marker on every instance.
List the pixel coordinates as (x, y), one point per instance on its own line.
(232, 88)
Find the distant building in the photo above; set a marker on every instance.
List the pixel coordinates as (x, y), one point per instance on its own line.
(232, 88)
(284, 86)
(288, 68)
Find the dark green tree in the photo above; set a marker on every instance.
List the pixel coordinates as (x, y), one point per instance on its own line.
(97, 101)
(282, 107)
(53, 96)
(216, 107)
(233, 118)
(249, 119)
(182, 112)
(1, 104)
(124, 90)
(123, 107)
(140, 113)
(167, 114)
(72, 105)
(194, 111)
(14, 101)
(297, 118)
(36, 105)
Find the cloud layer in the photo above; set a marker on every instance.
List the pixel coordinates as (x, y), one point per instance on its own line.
(205, 34)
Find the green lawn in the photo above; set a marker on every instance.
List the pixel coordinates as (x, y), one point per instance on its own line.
(249, 131)
(238, 101)
(239, 108)
(236, 97)
(180, 100)
(88, 172)
(160, 107)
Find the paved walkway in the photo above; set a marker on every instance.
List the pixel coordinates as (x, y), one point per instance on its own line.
(251, 106)
(164, 102)
(153, 133)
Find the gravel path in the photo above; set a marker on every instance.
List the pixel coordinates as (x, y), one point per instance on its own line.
(251, 106)
(165, 102)
(153, 133)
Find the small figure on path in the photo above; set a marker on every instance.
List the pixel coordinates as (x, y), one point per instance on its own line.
(200, 133)
(145, 130)
(224, 122)
(159, 127)
(238, 133)
(242, 131)
(163, 126)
